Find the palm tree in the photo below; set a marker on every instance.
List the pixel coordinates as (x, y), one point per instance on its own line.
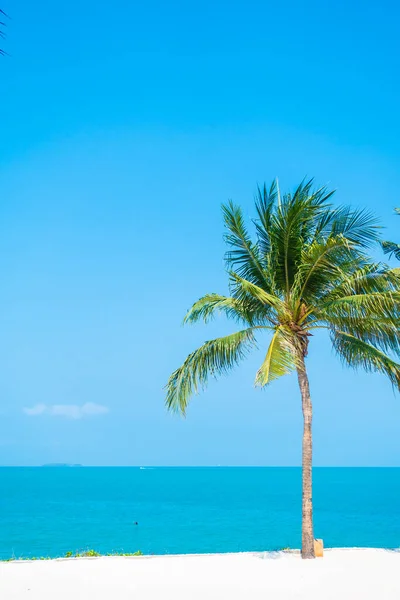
(390, 247)
(307, 269)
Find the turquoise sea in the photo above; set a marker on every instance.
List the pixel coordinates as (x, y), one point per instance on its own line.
(49, 511)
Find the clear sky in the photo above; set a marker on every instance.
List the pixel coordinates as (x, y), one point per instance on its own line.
(124, 126)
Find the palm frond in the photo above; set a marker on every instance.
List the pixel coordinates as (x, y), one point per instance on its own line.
(360, 227)
(243, 289)
(291, 226)
(372, 305)
(358, 353)
(244, 310)
(362, 277)
(215, 357)
(391, 248)
(280, 359)
(322, 262)
(367, 305)
(264, 202)
(243, 257)
(383, 332)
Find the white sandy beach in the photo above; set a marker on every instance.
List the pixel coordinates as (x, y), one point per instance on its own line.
(363, 574)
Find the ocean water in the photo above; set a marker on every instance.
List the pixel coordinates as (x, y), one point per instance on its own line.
(49, 511)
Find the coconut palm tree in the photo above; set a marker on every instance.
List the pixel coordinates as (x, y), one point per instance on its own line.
(307, 269)
(390, 247)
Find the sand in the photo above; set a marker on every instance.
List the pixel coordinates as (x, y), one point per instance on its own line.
(342, 574)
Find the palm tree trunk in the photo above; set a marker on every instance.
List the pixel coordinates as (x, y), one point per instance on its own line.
(307, 529)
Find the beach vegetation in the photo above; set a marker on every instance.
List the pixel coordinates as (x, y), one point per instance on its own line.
(79, 554)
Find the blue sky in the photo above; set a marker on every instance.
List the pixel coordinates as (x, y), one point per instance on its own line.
(124, 128)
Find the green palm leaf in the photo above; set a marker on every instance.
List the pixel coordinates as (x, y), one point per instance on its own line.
(264, 204)
(243, 289)
(280, 359)
(215, 357)
(367, 278)
(358, 226)
(321, 263)
(359, 306)
(241, 310)
(356, 353)
(243, 255)
(390, 247)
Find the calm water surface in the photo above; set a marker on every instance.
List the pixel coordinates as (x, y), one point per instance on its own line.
(49, 511)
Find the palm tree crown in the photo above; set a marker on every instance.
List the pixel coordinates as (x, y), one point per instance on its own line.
(307, 268)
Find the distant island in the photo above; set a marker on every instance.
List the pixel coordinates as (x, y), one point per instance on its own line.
(61, 465)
